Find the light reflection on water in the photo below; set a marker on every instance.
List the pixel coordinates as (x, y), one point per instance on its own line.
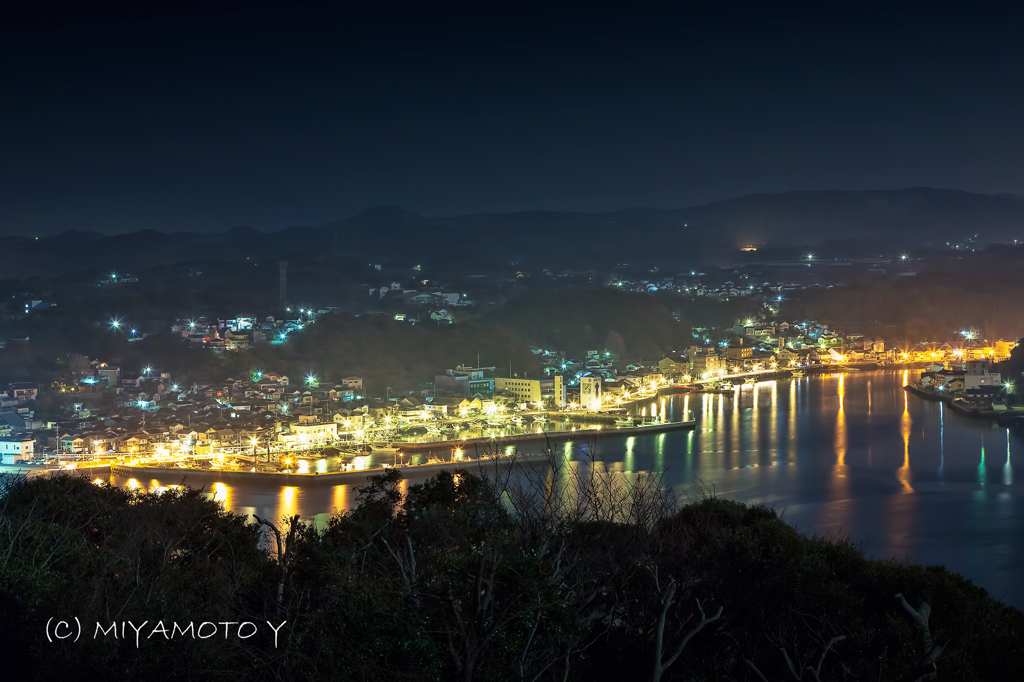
(850, 454)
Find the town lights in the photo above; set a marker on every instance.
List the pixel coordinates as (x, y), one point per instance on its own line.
(147, 370)
(191, 325)
(174, 387)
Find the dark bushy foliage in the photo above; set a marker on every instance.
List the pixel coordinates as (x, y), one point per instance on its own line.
(456, 580)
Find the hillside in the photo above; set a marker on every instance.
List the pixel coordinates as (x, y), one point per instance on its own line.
(913, 218)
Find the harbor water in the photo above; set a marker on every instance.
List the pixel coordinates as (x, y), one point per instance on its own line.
(849, 454)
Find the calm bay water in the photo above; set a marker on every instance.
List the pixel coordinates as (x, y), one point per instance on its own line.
(848, 454)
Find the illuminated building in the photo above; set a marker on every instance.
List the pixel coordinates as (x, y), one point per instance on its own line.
(590, 393)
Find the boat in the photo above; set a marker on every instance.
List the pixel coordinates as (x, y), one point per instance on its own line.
(797, 373)
(750, 380)
(625, 422)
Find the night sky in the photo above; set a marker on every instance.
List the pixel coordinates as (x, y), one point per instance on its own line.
(116, 118)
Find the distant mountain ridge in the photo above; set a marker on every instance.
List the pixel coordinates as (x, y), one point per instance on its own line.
(905, 218)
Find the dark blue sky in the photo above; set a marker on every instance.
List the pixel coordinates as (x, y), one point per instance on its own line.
(173, 118)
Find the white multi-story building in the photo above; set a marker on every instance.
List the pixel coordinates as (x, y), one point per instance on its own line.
(14, 450)
(310, 434)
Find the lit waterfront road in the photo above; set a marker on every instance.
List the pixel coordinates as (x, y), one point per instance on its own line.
(852, 454)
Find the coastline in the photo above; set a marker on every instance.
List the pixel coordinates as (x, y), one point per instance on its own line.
(988, 415)
(359, 476)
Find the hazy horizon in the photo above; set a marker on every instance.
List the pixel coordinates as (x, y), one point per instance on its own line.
(269, 229)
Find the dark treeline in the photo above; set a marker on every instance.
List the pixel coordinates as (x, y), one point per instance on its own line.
(553, 575)
(929, 307)
(633, 324)
(385, 352)
(376, 347)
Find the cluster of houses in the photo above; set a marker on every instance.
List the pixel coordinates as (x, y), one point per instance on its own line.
(970, 383)
(150, 415)
(243, 332)
(692, 284)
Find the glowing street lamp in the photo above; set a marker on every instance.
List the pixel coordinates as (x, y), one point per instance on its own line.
(903, 257)
(115, 324)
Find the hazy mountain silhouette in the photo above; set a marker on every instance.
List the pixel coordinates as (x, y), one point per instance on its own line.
(906, 218)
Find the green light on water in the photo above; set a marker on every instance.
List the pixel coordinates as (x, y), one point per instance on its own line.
(981, 466)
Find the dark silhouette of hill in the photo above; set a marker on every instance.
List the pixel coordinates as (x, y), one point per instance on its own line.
(906, 218)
